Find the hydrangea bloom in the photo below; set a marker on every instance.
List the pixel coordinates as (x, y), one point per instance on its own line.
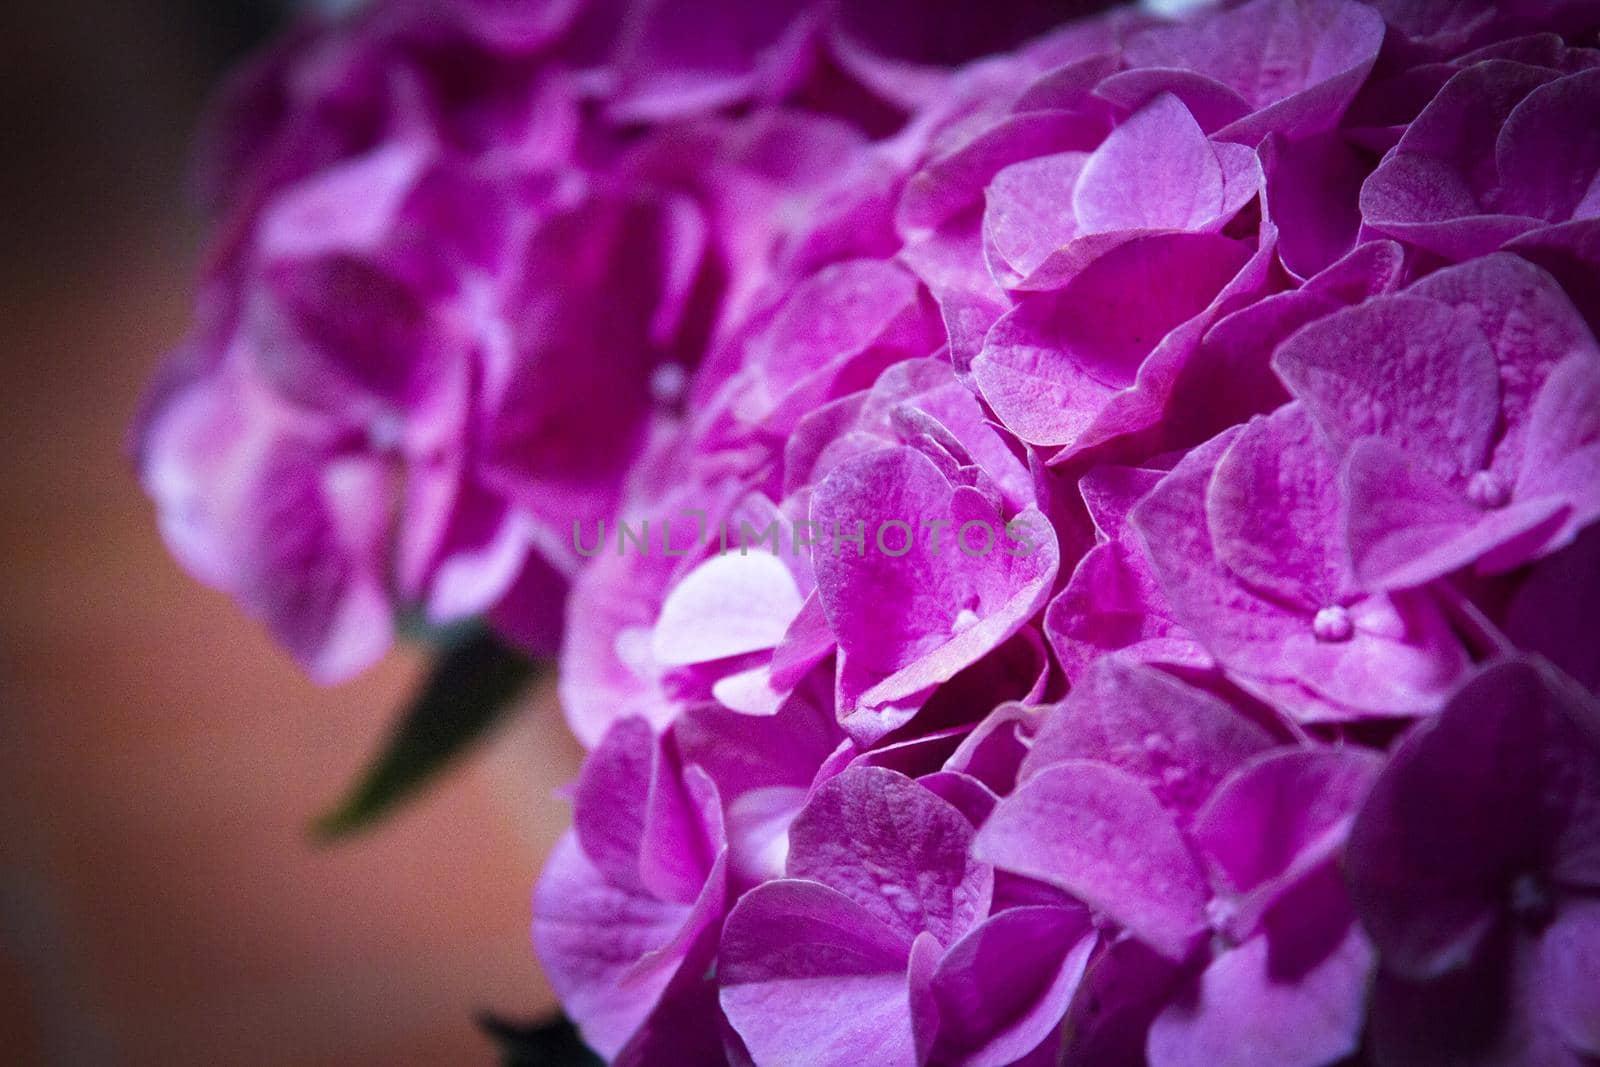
(1224, 767)
(1112, 577)
(465, 253)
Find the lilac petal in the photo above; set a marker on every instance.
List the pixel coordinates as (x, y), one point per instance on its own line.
(1212, 104)
(1155, 172)
(895, 849)
(1554, 611)
(1407, 529)
(1180, 741)
(1280, 817)
(1529, 323)
(1297, 63)
(1243, 1014)
(1548, 152)
(610, 952)
(1430, 190)
(1406, 369)
(1273, 511)
(1492, 789)
(1051, 363)
(727, 606)
(1003, 988)
(1098, 833)
(1311, 194)
(810, 977)
(910, 621)
(1569, 961)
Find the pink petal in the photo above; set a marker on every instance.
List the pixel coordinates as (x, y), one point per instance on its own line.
(1098, 833)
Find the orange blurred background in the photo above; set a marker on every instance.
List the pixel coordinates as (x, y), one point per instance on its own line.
(160, 758)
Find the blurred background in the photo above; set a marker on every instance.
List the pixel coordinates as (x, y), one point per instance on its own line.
(161, 901)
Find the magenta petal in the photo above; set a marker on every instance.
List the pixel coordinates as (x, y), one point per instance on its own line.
(1569, 959)
(1549, 153)
(1244, 1015)
(894, 848)
(1003, 988)
(1406, 528)
(611, 952)
(1051, 365)
(1098, 833)
(1280, 817)
(1179, 740)
(912, 606)
(1410, 370)
(725, 607)
(1311, 187)
(810, 977)
(1529, 323)
(1503, 783)
(1273, 511)
(1156, 171)
(1298, 63)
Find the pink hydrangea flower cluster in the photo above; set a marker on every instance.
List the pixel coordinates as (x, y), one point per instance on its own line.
(1081, 542)
(1123, 590)
(465, 251)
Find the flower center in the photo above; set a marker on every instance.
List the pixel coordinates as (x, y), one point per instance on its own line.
(1333, 624)
(1531, 902)
(1488, 490)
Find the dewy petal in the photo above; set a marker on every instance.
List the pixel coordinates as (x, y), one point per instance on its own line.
(1562, 457)
(1003, 988)
(894, 848)
(1407, 528)
(1098, 833)
(1181, 742)
(810, 977)
(1155, 172)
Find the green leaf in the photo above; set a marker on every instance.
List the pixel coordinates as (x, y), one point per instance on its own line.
(469, 689)
(552, 1042)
